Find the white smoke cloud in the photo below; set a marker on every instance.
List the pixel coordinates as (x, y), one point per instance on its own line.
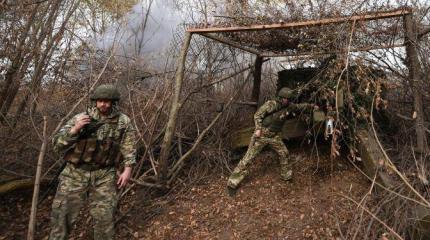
(145, 31)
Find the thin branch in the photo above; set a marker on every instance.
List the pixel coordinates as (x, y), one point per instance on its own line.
(83, 97)
(175, 169)
(32, 222)
(375, 217)
(390, 163)
(423, 33)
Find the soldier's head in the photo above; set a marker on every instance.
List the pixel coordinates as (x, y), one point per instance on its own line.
(285, 94)
(105, 96)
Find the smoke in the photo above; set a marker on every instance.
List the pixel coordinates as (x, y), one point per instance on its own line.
(145, 31)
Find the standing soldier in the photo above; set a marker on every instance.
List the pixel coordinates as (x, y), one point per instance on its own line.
(269, 119)
(93, 143)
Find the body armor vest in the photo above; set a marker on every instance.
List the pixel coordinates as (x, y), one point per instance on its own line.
(91, 150)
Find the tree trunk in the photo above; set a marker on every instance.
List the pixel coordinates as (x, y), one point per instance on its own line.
(414, 67)
(12, 82)
(171, 124)
(14, 88)
(41, 62)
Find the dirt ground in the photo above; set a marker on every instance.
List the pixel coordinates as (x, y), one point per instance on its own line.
(265, 207)
(312, 206)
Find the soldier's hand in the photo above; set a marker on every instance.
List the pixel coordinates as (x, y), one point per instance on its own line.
(124, 177)
(80, 122)
(257, 133)
(316, 107)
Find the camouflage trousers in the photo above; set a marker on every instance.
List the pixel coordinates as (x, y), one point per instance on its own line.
(256, 145)
(77, 186)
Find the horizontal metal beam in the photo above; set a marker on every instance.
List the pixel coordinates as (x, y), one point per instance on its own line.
(230, 43)
(326, 21)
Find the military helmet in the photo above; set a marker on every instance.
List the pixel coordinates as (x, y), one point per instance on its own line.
(285, 93)
(106, 91)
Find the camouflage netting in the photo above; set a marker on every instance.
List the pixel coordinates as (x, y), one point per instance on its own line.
(310, 39)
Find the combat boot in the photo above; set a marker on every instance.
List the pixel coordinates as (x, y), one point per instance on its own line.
(287, 175)
(231, 191)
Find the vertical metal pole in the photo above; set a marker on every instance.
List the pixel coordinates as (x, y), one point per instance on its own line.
(255, 97)
(171, 124)
(413, 65)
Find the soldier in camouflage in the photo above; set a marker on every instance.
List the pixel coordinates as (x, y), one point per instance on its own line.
(269, 119)
(94, 144)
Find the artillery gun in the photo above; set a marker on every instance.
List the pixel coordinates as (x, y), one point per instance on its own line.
(358, 135)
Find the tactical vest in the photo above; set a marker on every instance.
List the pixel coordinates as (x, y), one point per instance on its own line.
(274, 121)
(100, 153)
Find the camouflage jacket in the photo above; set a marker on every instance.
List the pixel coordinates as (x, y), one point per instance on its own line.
(273, 106)
(63, 141)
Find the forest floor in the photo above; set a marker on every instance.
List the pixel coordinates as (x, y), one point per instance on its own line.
(314, 205)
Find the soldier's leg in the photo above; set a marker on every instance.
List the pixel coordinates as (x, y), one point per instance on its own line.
(284, 157)
(240, 172)
(71, 193)
(103, 201)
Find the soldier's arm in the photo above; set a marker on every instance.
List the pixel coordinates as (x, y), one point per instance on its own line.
(304, 106)
(128, 145)
(268, 107)
(64, 139)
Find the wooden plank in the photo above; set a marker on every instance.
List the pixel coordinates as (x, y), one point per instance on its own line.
(373, 159)
(16, 185)
(230, 43)
(309, 23)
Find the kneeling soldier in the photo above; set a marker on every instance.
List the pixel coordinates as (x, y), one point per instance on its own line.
(269, 119)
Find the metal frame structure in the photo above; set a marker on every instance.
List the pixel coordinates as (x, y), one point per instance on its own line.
(209, 32)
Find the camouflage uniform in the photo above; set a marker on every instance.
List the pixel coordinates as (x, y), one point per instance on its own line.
(269, 137)
(77, 183)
